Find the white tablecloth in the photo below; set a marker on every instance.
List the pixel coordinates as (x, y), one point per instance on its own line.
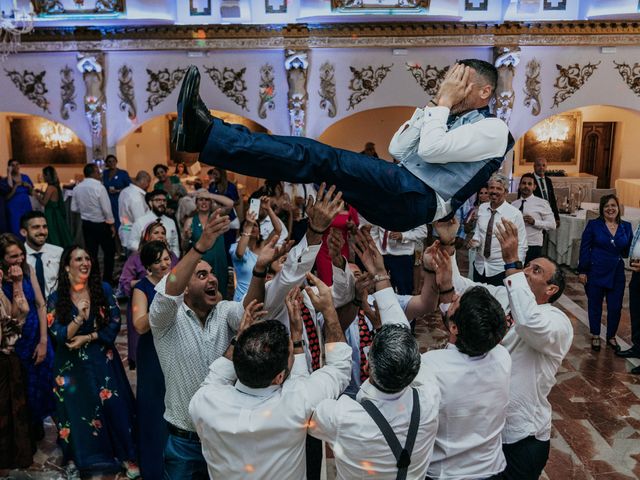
(628, 190)
(564, 243)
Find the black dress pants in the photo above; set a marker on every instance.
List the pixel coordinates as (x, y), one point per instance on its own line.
(98, 235)
(526, 458)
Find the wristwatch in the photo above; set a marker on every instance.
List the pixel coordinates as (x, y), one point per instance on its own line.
(298, 344)
(517, 265)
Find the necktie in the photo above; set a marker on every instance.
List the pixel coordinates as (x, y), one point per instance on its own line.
(522, 205)
(385, 239)
(40, 271)
(486, 253)
(544, 189)
(366, 339)
(312, 337)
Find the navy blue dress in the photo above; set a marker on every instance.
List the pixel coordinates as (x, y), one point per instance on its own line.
(152, 428)
(119, 181)
(39, 378)
(95, 405)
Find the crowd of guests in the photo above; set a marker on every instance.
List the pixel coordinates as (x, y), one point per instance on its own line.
(258, 333)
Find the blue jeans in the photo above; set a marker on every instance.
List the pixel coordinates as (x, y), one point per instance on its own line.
(183, 460)
(386, 194)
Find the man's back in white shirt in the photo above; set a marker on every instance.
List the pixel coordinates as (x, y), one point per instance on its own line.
(91, 200)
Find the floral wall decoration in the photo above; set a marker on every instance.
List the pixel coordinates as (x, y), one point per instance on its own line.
(231, 83)
(296, 64)
(429, 78)
(67, 92)
(32, 86)
(327, 90)
(161, 84)
(92, 67)
(630, 74)
(365, 81)
(507, 59)
(126, 92)
(267, 90)
(532, 87)
(570, 79)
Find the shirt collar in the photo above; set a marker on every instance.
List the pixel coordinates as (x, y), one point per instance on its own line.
(369, 392)
(257, 392)
(31, 251)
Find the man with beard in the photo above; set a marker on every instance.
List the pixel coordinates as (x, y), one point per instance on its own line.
(447, 151)
(42, 256)
(157, 201)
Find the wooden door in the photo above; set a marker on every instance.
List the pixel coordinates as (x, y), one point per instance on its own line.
(597, 150)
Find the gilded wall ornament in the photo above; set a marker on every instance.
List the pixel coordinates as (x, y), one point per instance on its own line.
(296, 64)
(267, 90)
(532, 87)
(161, 84)
(67, 92)
(32, 86)
(231, 83)
(126, 92)
(429, 78)
(52, 8)
(630, 74)
(350, 5)
(507, 59)
(91, 65)
(571, 79)
(327, 90)
(365, 81)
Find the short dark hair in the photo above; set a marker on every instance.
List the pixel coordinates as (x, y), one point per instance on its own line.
(159, 165)
(153, 194)
(111, 156)
(151, 252)
(480, 320)
(24, 219)
(528, 175)
(556, 279)
(603, 201)
(261, 352)
(394, 358)
(485, 69)
(89, 169)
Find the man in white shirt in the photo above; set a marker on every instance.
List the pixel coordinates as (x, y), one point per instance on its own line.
(538, 340)
(398, 249)
(298, 194)
(267, 217)
(537, 216)
(191, 328)
(488, 263)
(391, 404)
(157, 202)
(446, 151)
(132, 205)
(91, 200)
(253, 409)
(42, 256)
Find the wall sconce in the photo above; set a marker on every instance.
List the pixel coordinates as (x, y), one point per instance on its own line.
(552, 129)
(55, 135)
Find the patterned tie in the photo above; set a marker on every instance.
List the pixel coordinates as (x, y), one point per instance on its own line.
(312, 337)
(366, 338)
(486, 253)
(40, 272)
(522, 205)
(544, 189)
(385, 240)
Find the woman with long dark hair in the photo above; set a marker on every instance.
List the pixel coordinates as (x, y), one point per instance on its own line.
(95, 405)
(52, 201)
(33, 348)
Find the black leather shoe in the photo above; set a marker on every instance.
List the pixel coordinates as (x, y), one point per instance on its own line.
(635, 370)
(629, 353)
(194, 120)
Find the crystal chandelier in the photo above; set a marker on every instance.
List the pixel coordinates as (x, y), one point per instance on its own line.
(12, 26)
(55, 135)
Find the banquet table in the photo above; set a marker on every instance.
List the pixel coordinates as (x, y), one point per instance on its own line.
(628, 190)
(564, 243)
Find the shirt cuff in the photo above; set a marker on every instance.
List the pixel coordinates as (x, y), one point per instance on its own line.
(300, 366)
(161, 288)
(385, 298)
(336, 352)
(517, 280)
(223, 368)
(436, 113)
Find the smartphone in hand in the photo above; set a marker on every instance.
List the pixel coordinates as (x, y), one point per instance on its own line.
(254, 206)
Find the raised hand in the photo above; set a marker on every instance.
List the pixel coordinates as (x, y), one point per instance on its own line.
(271, 252)
(323, 300)
(447, 230)
(84, 307)
(368, 252)
(364, 285)
(252, 313)
(324, 209)
(335, 242)
(293, 301)
(216, 225)
(455, 86)
(15, 273)
(507, 235)
(428, 260)
(444, 271)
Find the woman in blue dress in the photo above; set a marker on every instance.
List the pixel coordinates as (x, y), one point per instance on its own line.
(605, 242)
(33, 348)
(95, 405)
(18, 202)
(114, 180)
(152, 429)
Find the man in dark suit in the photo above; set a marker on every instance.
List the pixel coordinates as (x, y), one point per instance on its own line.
(545, 187)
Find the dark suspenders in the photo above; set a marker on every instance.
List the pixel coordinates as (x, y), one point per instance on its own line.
(402, 455)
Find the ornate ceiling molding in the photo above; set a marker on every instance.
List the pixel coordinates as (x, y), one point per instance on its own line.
(344, 35)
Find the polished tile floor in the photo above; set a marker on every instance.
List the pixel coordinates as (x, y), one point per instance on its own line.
(596, 403)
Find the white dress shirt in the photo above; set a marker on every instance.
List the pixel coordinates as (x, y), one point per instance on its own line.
(537, 342)
(186, 349)
(304, 190)
(131, 206)
(406, 246)
(50, 262)
(260, 432)
(426, 134)
(475, 394)
(266, 227)
(542, 215)
(141, 223)
(299, 261)
(495, 264)
(91, 200)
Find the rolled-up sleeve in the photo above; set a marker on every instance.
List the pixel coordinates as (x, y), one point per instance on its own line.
(330, 380)
(390, 310)
(164, 308)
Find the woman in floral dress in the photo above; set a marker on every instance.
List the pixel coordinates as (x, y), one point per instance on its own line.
(95, 405)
